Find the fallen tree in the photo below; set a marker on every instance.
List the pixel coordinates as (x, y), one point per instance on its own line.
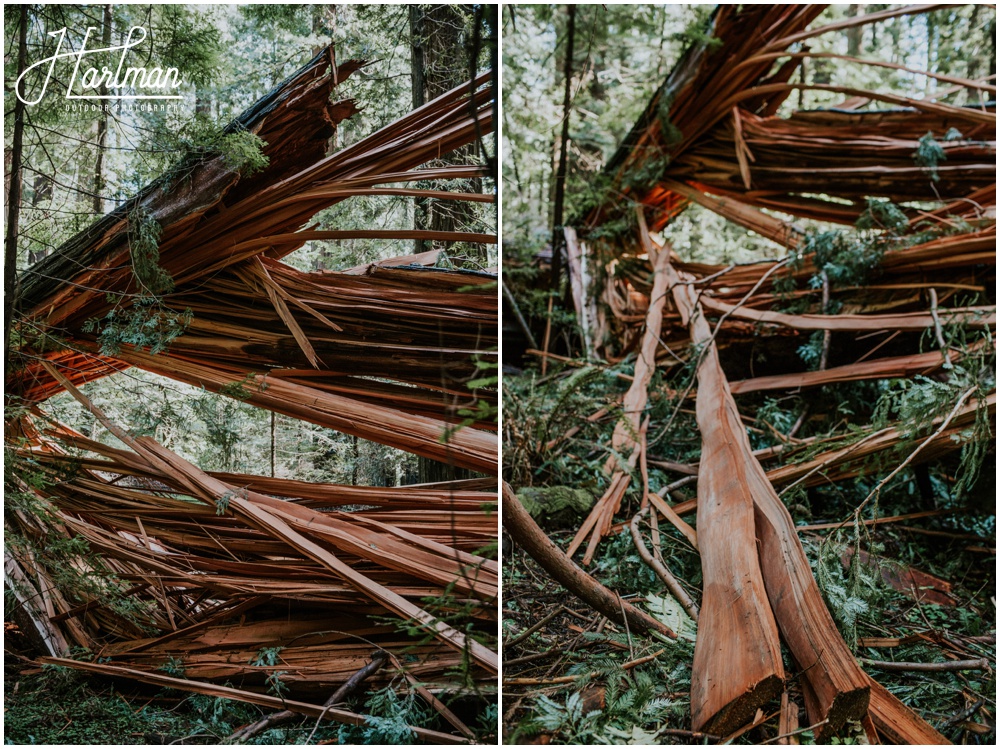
(201, 573)
(917, 277)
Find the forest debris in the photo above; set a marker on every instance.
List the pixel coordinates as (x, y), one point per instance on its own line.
(379, 657)
(669, 611)
(887, 642)
(871, 522)
(661, 570)
(788, 722)
(729, 682)
(244, 564)
(898, 723)
(673, 516)
(271, 516)
(242, 695)
(918, 585)
(625, 439)
(628, 665)
(722, 108)
(527, 535)
(533, 628)
(977, 664)
(728, 472)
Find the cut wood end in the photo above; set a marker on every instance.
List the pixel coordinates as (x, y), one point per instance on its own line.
(852, 705)
(740, 711)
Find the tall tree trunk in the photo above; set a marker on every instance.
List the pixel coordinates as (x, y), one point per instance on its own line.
(14, 194)
(439, 63)
(41, 189)
(855, 34)
(102, 124)
(355, 459)
(274, 441)
(417, 88)
(560, 176)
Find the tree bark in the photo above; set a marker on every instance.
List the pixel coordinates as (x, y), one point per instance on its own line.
(102, 125)
(438, 64)
(14, 194)
(560, 176)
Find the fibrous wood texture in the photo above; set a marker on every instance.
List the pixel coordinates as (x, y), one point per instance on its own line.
(219, 566)
(737, 659)
(715, 127)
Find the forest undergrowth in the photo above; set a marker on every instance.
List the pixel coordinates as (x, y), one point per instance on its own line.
(579, 678)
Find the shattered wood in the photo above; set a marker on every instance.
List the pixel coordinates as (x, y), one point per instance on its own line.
(220, 566)
(716, 120)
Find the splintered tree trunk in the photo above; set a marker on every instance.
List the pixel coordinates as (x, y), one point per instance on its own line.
(737, 657)
(739, 517)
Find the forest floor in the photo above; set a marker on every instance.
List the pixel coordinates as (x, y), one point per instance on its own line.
(578, 678)
(53, 705)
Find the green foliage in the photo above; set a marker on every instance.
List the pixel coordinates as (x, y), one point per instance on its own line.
(883, 215)
(917, 402)
(929, 154)
(536, 412)
(482, 410)
(222, 506)
(849, 595)
(146, 323)
(173, 666)
(811, 351)
(27, 488)
(144, 245)
(269, 657)
(568, 719)
(649, 172)
(242, 151)
(239, 389)
(388, 717)
(845, 260)
(59, 707)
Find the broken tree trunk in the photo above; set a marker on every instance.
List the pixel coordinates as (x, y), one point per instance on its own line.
(625, 438)
(737, 657)
(836, 689)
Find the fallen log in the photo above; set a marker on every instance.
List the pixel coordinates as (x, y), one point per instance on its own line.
(737, 658)
(737, 510)
(526, 534)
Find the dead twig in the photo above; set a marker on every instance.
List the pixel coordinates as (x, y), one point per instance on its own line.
(978, 664)
(532, 629)
(675, 588)
(938, 334)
